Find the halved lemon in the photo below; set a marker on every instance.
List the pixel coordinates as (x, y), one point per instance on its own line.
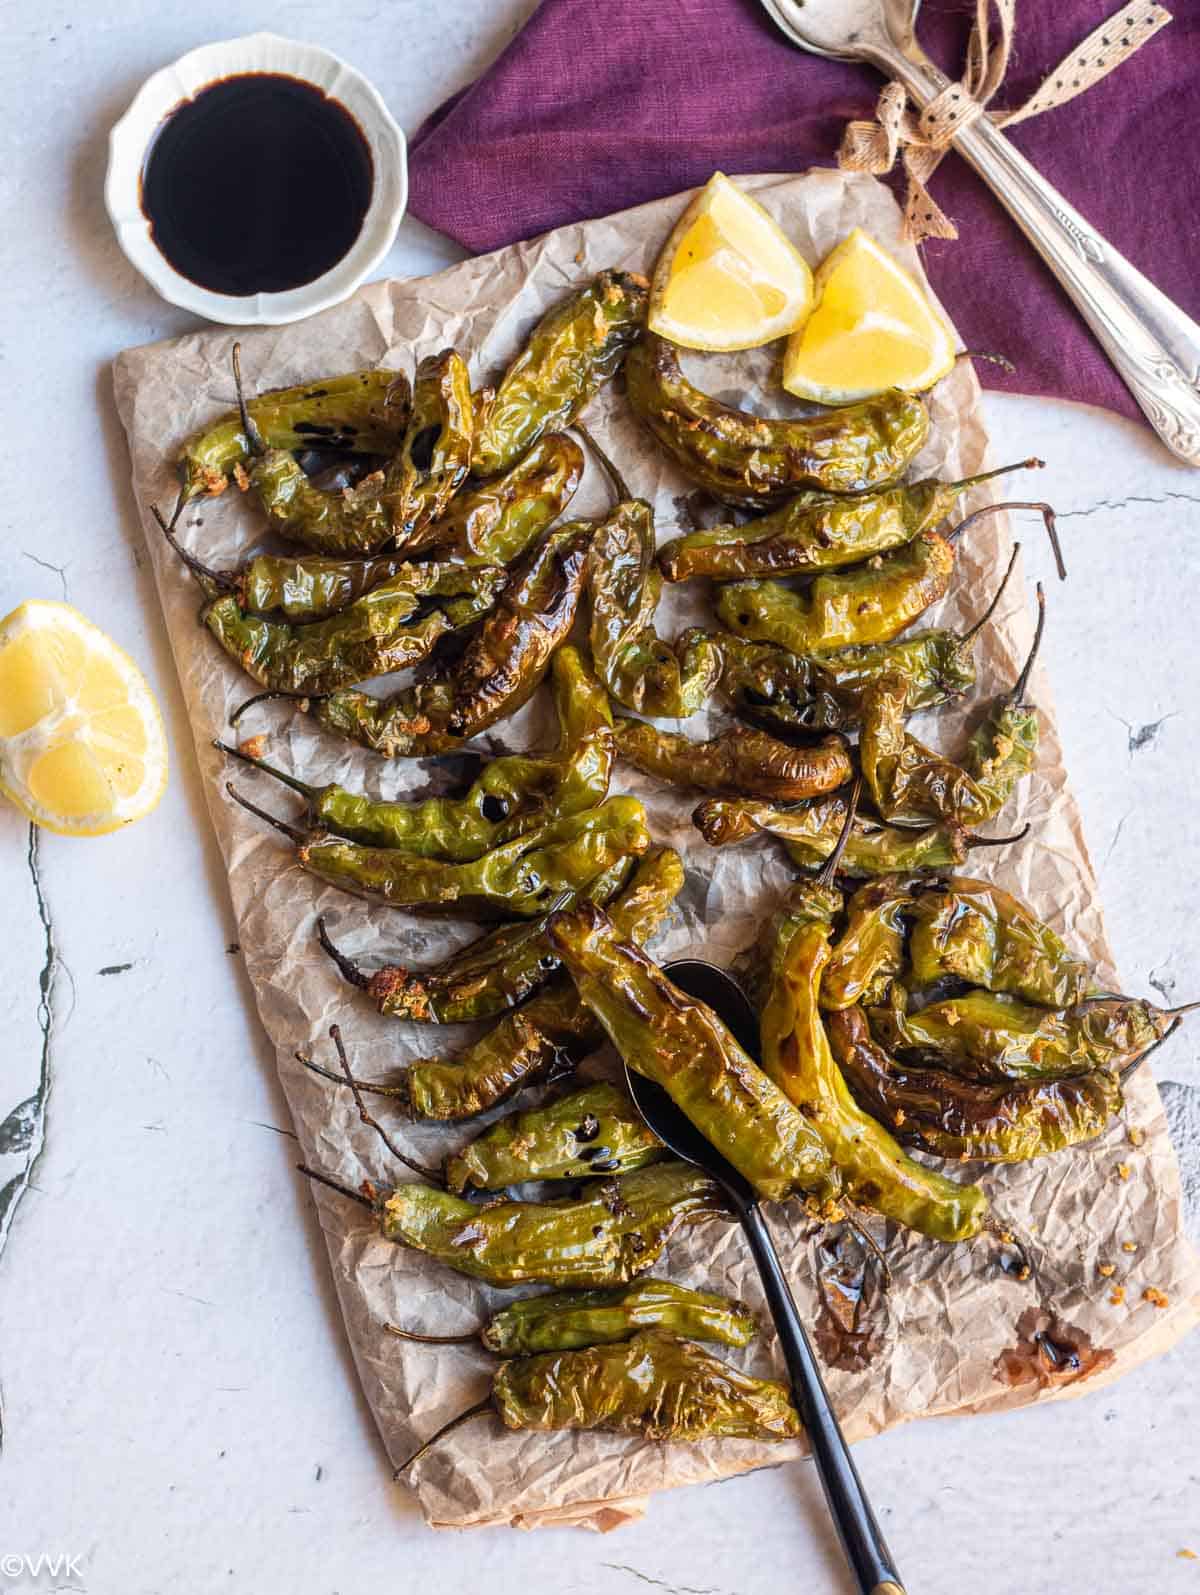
(727, 277)
(872, 329)
(82, 746)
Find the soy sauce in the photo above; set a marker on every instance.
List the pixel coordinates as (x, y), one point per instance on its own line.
(257, 184)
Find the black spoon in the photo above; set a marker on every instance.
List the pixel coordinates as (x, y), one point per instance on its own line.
(861, 1537)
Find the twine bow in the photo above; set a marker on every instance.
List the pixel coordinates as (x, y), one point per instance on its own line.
(922, 138)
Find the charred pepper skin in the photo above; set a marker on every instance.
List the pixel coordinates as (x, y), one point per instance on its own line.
(571, 1320)
(983, 935)
(364, 412)
(653, 1386)
(870, 953)
(572, 352)
(624, 587)
(435, 456)
(797, 1056)
(683, 1046)
(871, 603)
(355, 521)
(595, 1130)
(311, 587)
(739, 761)
(613, 1231)
(956, 1118)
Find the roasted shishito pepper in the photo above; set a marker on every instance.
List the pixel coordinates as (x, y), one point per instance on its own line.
(654, 1386)
(797, 1056)
(611, 1232)
(435, 456)
(519, 880)
(362, 412)
(738, 760)
(985, 1035)
(566, 1320)
(299, 587)
(511, 795)
(744, 459)
(820, 531)
(957, 1118)
(595, 1130)
(789, 692)
(910, 783)
(683, 1046)
(575, 348)
(980, 933)
(870, 953)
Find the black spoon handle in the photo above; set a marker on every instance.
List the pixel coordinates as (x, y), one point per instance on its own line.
(861, 1537)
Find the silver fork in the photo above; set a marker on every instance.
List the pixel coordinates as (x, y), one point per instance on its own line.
(1153, 345)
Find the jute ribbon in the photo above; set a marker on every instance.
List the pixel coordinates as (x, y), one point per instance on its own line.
(922, 138)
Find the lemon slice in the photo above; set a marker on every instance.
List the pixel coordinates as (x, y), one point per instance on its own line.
(728, 278)
(872, 329)
(82, 746)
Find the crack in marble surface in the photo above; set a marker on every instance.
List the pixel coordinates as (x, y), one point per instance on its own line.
(659, 1583)
(1123, 503)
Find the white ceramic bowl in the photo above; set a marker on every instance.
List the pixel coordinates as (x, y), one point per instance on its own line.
(257, 52)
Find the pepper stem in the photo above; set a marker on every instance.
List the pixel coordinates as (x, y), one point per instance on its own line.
(397, 1092)
(292, 832)
(1017, 695)
(434, 1176)
(432, 1340)
(969, 637)
(829, 868)
(253, 436)
(1031, 464)
(262, 697)
(617, 483)
(480, 1407)
(972, 840)
(213, 581)
(1136, 1063)
(1045, 510)
(1187, 1007)
(306, 791)
(350, 970)
(335, 1185)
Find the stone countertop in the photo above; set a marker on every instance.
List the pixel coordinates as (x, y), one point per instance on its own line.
(179, 1407)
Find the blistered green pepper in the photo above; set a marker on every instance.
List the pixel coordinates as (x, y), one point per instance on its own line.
(869, 954)
(595, 1130)
(434, 458)
(819, 531)
(983, 935)
(956, 1118)
(738, 760)
(744, 459)
(575, 348)
(683, 1046)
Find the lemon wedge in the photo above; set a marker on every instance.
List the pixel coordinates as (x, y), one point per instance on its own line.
(82, 746)
(727, 277)
(873, 328)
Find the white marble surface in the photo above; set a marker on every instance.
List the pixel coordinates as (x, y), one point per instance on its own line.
(180, 1413)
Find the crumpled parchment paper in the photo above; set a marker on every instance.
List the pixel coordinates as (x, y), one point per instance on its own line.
(953, 1333)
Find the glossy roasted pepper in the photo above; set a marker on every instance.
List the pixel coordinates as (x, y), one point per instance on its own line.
(595, 1130)
(434, 458)
(956, 1118)
(744, 459)
(575, 348)
(869, 954)
(683, 1046)
(738, 760)
(364, 412)
(565, 1320)
(519, 880)
(989, 1036)
(654, 1386)
(797, 1056)
(983, 935)
(819, 531)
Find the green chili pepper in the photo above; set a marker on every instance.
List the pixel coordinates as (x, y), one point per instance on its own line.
(364, 412)
(409, 724)
(683, 1046)
(983, 935)
(990, 1036)
(575, 348)
(519, 880)
(956, 1118)
(436, 453)
(869, 954)
(819, 531)
(744, 459)
(739, 760)
(595, 1130)
(497, 521)
(797, 1056)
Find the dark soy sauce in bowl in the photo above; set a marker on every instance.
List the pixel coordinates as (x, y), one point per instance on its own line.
(257, 184)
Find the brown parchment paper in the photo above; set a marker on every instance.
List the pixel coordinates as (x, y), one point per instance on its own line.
(951, 1313)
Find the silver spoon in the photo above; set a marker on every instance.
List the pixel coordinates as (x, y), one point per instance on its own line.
(1153, 345)
(861, 1537)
